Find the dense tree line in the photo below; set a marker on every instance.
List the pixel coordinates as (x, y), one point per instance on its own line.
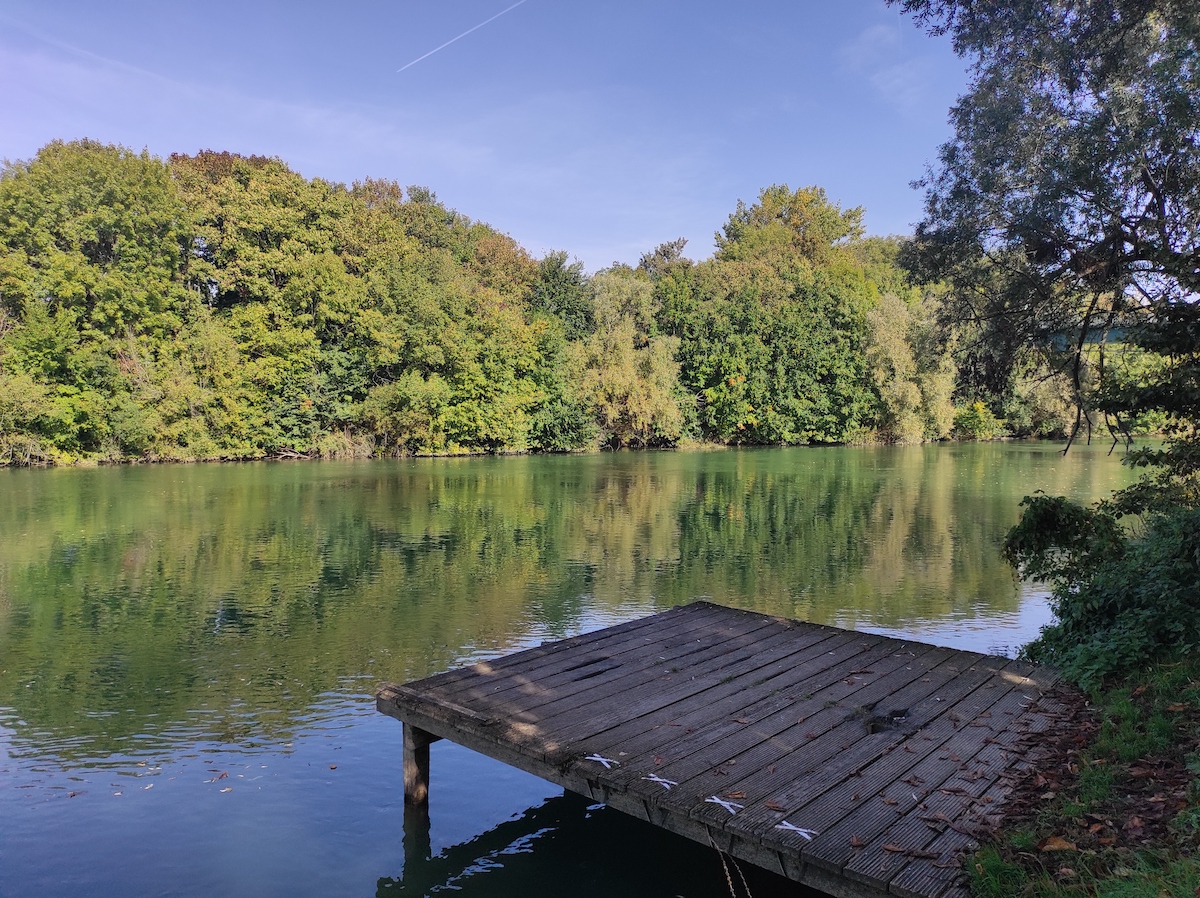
(220, 306)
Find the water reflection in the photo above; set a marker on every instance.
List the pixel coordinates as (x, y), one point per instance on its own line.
(159, 626)
(134, 596)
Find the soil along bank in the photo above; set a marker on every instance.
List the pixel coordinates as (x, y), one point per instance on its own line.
(1115, 808)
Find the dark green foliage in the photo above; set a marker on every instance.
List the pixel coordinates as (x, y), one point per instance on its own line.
(561, 291)
(772, 331)
(1120, 601)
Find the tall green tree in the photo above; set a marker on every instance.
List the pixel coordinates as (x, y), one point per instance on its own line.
(96, 229)
(1067, 204)
(772, 328)
(93, 243)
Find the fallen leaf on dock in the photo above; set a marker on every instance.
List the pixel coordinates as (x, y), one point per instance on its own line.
(735, 794)
(774, 805)
(890, 801)
(856, 842)
(741, 720)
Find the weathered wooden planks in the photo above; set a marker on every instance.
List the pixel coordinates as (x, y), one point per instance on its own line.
(850, 762)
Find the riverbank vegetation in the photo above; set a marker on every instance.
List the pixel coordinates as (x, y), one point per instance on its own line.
(1067, 201)
(224, 307)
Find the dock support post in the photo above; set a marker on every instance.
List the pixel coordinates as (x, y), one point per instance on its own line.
(417, 843)
(416, 765)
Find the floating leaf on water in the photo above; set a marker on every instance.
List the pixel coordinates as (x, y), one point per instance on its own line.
(227, 789)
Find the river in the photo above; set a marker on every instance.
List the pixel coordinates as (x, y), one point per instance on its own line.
(188, 653)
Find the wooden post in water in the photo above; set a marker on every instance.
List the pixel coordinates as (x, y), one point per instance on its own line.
(416, 765)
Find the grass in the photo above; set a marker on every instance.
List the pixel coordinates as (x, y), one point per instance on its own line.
(1115, 813)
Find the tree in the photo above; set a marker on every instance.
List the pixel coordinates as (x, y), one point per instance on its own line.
(92, 251)
(96, 229)
(625, 371)
(772, 328)
(913, 373)
(1068, 203)
(788, 228)
(561, 291)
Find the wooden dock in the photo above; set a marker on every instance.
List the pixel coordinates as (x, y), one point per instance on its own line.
(856, 764)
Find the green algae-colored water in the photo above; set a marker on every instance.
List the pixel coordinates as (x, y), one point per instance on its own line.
(188, 653)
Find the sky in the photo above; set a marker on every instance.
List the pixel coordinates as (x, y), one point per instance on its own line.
(600, 128)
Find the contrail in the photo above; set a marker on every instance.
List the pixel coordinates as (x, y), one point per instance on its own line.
(461, 36)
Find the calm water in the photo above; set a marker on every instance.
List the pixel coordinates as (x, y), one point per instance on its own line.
(188, 654)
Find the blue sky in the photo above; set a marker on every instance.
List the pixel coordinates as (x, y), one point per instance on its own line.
(600, 128)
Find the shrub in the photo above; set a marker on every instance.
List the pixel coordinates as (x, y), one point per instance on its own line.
(976, 422)
(1121, 600)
